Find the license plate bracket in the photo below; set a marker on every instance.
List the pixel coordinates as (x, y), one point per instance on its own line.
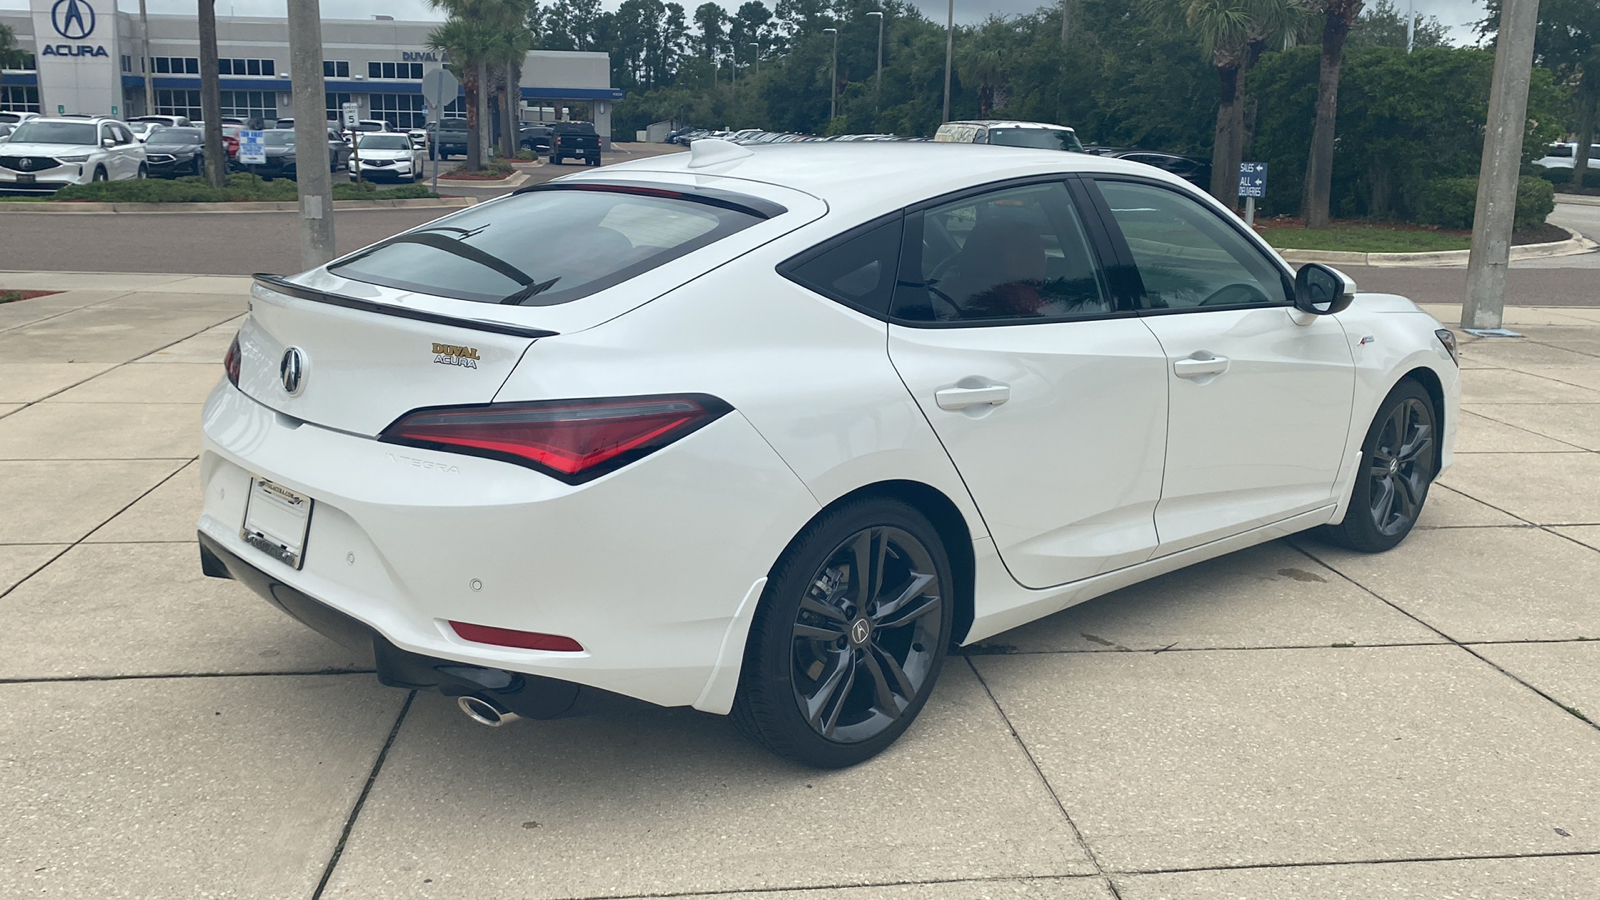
(26, 178)
(276, 521)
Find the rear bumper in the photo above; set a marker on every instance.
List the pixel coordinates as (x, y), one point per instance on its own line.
(525, 695)
(652, 569)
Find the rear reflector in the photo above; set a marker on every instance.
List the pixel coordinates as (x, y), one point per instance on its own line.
(573, 440)
(505, 637)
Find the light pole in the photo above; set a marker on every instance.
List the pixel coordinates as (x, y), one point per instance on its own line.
(1411, 24)
(147, 63)
(758, 56)
(877, 89)
(833, 79)
(949, 55)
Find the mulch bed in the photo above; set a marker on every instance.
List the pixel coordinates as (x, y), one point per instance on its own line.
(1536, 234)
(13, 296)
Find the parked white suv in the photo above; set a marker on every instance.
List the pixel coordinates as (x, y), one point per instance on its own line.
(50, 153)
(1562, 155)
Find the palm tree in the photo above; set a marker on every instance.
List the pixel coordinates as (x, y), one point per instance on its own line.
(1339, 14)
(478, 34)
(8, 46)
(984, 61)
(1226, 31)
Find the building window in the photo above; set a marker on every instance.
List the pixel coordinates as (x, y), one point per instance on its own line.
(179, 103)
(176, 65)
(455, 108)
(247, 67)
(127, 64)
(250, 105)
(26, 63)
(401, 111)
(336, 68)
(411, 71)
(336, 104)
(19, 98)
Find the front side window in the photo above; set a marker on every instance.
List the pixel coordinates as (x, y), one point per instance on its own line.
(544, 247)
(1012, 254)
(1188, 256)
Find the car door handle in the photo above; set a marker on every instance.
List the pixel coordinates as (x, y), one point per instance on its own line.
(954, 398)
(1199, 365)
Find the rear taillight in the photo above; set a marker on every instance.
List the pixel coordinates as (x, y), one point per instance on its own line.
(573, 440)
(506, 637)
(230, 363)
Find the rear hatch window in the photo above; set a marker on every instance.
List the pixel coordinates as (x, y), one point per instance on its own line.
(547, 247)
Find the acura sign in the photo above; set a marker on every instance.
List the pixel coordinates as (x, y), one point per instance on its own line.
(74, 20)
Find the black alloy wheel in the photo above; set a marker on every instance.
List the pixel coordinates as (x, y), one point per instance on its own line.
(1399, 462)
(850, 636)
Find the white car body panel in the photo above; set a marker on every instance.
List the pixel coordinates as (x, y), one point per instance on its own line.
(656, 568)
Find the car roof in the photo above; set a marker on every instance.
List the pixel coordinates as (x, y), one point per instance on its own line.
(1010, 123)
(870, 178)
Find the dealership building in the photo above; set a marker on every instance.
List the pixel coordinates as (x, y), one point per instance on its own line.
(84, 56)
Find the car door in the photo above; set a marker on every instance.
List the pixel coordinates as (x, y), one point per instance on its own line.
(1049, 395)
(1260, 392)
(129, 150)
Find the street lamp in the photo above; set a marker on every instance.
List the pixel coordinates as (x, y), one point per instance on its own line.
(877, 100)
(758, 56)
(949, 55)
(833, 80)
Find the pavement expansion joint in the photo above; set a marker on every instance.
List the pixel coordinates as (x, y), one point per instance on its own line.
(175, 676)
(366, 789)
(1561, 854)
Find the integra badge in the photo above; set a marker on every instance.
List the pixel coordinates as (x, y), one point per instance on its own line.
(451, 355)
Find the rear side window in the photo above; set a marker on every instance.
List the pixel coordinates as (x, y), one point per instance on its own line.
(856, 269)
(545, 247)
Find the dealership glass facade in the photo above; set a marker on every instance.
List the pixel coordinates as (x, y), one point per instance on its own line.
(19, 98)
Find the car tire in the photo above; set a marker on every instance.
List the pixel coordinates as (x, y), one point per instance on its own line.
(99, 174)
(1399, 460)
(833, 674)
(555, 160)
(143, 173)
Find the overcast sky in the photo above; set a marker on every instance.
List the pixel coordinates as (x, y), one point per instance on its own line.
(1455, 14)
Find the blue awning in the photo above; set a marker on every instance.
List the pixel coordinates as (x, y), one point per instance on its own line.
(337, 86)
(21, 79)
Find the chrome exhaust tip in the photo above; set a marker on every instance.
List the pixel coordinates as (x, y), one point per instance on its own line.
(485, 711)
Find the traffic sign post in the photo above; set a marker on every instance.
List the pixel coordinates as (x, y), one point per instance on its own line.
(351, 114)
(1252, 184)
(439, 89)
(252, 150)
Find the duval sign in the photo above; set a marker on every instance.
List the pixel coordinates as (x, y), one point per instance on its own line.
(74, 20)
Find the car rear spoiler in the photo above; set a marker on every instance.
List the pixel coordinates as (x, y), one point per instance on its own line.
(281, 285)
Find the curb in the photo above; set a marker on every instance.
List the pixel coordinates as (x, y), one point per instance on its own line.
(229, 208)
(1578, 199)
(1572, 246)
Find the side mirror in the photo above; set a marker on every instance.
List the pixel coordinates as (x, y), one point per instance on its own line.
(108, 143)
(1322, 291)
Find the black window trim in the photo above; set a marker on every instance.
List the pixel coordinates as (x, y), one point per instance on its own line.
(913, 217)
(787, 267)
(1125, 253)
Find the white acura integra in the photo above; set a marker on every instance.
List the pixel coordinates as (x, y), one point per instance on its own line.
(769, 430)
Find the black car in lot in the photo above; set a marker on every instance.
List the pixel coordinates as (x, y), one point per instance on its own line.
(575, 139)
(1192, 169)
(173, 152)
(282, 158)
(446, 137)
(535, 138)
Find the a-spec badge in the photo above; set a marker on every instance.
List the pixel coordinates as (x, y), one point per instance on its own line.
(452, 355)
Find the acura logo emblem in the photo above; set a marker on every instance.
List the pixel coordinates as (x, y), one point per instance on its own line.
(860, 631)
(27, 163)
(73, 19)
(292, 371)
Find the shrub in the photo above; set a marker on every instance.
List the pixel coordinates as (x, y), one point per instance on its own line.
(1448, 202)
(1452, 202)
(241, 187)
(1556, 176)
(1536, 199)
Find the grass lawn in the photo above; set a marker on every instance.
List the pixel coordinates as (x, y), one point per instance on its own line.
(1360, 237)
(1364, 237)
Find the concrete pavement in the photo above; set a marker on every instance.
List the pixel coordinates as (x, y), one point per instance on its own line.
(1292, 721)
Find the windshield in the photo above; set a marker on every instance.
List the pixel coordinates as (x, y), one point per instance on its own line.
(178, 136)
(142, 127)
(385, 142)
(1037, 138)
(54, 133)
(278, 139)
(544, 247)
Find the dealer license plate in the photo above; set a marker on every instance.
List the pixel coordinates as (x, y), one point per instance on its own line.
(25, 178)
(276, 520)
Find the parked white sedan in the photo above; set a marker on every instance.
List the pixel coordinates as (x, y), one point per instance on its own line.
(387, 155)
(770, 430)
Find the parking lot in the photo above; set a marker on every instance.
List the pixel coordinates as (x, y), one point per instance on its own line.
(1290, 721)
